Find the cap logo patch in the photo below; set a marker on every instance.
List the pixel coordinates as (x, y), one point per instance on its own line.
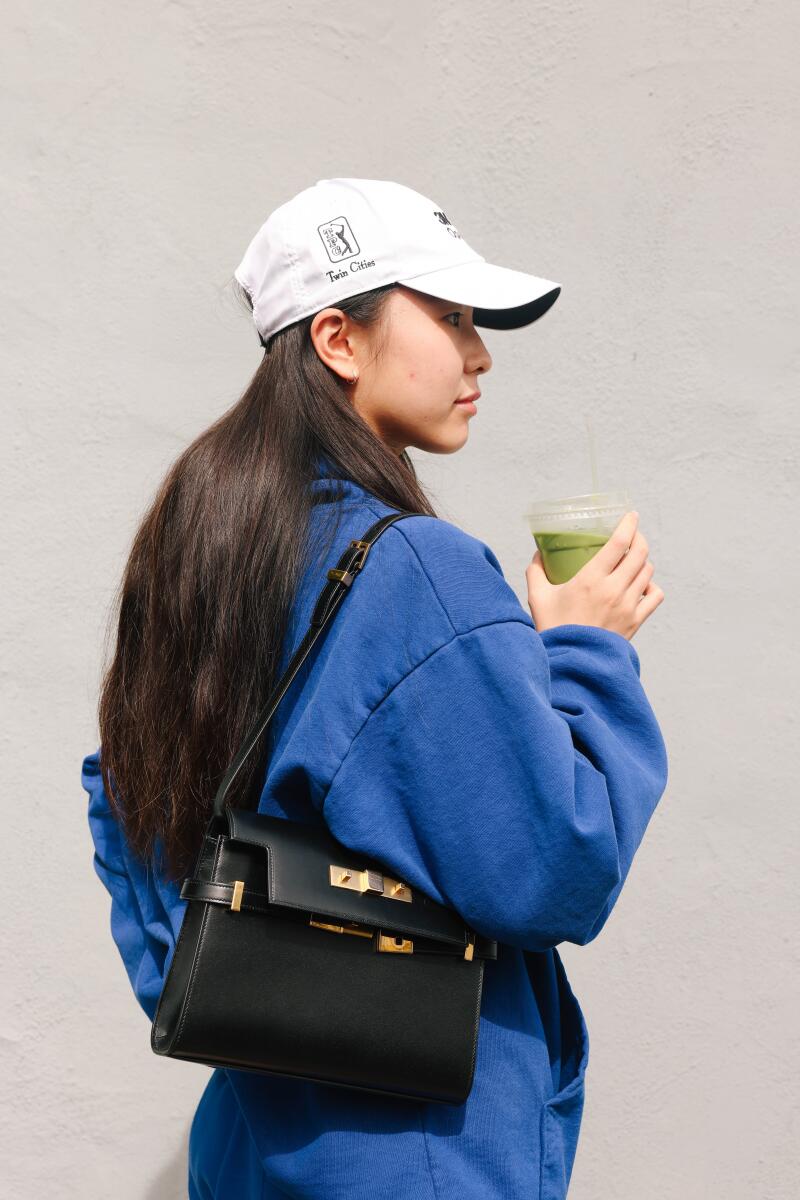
(451, 229)
(338, 239)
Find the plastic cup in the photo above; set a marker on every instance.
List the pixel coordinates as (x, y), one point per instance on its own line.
(571, 530)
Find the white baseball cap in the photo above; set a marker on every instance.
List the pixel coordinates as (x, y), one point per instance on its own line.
(341, 237)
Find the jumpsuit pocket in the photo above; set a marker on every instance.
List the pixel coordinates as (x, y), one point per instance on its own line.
(561, 1114)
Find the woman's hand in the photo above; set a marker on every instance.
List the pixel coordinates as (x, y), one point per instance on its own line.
(614, 589)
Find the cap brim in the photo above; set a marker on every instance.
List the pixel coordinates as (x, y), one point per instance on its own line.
(500, 297)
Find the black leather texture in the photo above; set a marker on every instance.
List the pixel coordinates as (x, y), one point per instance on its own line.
(386, 999)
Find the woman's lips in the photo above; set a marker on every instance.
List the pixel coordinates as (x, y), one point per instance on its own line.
(469, 402)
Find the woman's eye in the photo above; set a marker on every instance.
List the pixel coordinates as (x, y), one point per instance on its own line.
(453, 314)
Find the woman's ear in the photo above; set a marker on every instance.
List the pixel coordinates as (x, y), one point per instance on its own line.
(333, 336)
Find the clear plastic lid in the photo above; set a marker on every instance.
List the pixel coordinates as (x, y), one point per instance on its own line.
(597, 510)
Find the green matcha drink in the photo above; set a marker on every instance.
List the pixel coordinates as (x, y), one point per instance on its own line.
(564, 553)
(569, 532)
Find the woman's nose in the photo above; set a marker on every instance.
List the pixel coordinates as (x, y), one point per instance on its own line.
(480, 360)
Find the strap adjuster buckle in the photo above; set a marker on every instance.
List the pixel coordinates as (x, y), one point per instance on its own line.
(339, 575)
(364, 547)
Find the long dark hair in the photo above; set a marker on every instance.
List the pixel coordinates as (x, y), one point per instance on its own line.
(204, 601)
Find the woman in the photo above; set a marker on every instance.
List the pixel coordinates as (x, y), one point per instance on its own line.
(504, 762)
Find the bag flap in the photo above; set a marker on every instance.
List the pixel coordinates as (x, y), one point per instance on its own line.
(309, 869)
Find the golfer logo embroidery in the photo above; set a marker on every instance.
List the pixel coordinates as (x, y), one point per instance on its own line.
(451, 229)
(338, 239)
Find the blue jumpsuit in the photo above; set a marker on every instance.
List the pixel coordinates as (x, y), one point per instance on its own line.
(507, 773)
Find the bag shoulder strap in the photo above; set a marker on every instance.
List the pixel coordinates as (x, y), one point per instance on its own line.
(340, 579)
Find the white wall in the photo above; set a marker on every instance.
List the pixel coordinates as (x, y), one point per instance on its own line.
(645, 156)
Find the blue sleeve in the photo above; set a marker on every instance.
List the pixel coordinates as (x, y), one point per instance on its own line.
(606, 715)
(511, 776)
(146, 912)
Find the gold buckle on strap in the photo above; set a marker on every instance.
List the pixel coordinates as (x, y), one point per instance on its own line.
(339, 575)
(364, 547)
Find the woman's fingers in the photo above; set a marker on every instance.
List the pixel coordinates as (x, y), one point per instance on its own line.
(642, 579)
(629, 567)
(616, 548)
(652, 597)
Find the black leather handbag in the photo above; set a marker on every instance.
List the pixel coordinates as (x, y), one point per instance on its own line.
(300, 957)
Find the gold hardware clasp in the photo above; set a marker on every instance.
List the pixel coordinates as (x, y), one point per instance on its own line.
(396, 890)
(369, 881)
(356, 881)
(346, 927)
(470, 950)
(392, 944)
(236, 899)
(386, 943)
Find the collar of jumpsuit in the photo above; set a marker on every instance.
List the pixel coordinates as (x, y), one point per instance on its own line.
(455, 761)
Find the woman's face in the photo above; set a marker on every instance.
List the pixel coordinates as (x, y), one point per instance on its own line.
(431, 357)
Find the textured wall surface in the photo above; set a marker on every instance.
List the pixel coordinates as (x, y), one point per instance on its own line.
(645, 156)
